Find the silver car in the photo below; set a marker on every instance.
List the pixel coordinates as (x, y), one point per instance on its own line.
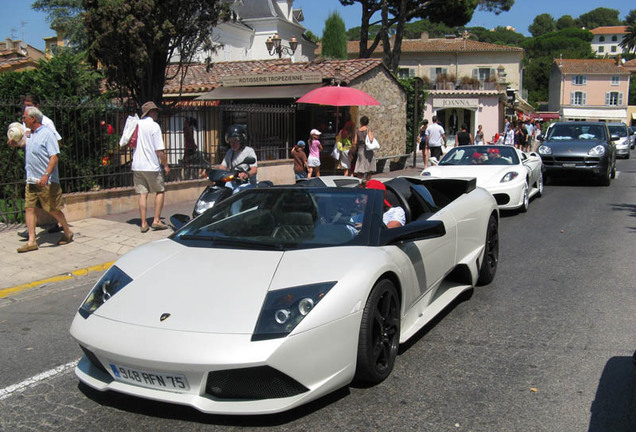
(623, 143)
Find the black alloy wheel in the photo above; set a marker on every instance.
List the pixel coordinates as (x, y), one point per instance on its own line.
(379, 337)
(488, 267)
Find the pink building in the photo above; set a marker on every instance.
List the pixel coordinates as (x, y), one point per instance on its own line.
(585, 89)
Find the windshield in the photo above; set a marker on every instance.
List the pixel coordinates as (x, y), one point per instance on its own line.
(621, 131)
(574, 131)
(481, 155)
(284, 218)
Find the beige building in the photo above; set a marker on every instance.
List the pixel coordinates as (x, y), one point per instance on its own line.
(584, 89)
(468, 80)
(18, 56)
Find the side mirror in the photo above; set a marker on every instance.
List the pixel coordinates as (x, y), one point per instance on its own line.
(614, 138)
(179, 220)
(249, 160)
(417, 230)
(540, 137)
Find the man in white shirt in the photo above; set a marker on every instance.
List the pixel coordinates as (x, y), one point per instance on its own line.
(148, 158)
(435, 137)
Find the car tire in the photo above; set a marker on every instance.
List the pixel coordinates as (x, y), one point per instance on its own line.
(379, 337)
(613, 172)
(488, 267)
(605, 179)
(526, 199)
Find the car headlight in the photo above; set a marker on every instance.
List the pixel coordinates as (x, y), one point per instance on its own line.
(599, 150)
(284, 309)
(203, 205)
(545, 150)
(109, 285)
(509, 176)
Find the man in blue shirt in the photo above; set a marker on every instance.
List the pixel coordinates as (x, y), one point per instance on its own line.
(43, 183)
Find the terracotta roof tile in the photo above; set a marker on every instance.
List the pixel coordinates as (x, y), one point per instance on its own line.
(590, 66)
(609, 30)
(199, 80)
(441, 45)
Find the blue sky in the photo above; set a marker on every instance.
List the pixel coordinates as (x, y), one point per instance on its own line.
(19, 21)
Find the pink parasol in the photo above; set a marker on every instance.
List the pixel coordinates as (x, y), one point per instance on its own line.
(338, 96)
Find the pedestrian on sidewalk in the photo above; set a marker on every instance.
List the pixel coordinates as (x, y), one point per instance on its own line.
(365, 162)
(300, 160)
(436, 137)
(423, 143)
(43, 183)
(148, 158)
(315, 147)
(40, 215)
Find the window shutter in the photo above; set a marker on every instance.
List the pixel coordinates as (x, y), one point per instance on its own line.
(493, 73)
(620, 98)
(433, 74)
(607, 98)
(583, 98)
(574, 79)
(572, 98)
(476, 73)
(584, 79)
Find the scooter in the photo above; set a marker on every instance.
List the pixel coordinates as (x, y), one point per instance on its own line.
(217, 191)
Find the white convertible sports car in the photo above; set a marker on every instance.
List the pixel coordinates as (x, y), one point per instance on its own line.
(510, 175)
(277, 296)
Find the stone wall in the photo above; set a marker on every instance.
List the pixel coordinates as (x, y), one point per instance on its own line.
(82, 205)
(388, 120)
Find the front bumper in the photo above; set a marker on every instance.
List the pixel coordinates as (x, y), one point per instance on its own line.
(559, 164)
(509, 196)
(316, 360)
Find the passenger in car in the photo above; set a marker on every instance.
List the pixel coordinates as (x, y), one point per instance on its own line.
(393, 217)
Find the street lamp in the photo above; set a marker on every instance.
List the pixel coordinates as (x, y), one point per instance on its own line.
(275, 46)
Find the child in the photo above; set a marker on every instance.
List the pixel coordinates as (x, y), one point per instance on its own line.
(313, 162)
(300, 160)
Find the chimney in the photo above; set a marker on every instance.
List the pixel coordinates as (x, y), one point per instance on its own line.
(424, 36)
(618, 60)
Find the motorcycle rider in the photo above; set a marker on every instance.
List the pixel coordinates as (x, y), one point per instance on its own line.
(236, 138)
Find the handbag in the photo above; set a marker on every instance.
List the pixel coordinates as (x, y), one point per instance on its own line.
(130, 132)
(335, 153)
(371, 145)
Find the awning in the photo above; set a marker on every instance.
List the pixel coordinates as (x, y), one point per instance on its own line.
(259, 92)
(548, 115)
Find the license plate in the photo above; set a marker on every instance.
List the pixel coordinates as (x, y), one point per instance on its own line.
(569, 165)
(154, 380)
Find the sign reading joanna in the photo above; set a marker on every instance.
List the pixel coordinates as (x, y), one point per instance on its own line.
(456, 103)
(272, 79)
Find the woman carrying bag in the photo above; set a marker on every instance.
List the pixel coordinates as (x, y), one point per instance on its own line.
(365, 164)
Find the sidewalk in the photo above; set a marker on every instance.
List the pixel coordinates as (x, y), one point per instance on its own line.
(98, 242)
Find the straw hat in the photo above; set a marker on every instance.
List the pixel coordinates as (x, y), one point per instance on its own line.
(15, 132)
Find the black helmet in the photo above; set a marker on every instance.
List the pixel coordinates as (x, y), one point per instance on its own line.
(236, 131)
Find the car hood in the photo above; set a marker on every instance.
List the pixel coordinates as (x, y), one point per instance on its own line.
(485, 174)
(204, 289)
(572, 146)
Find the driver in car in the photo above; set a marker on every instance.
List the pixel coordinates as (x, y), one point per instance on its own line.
(236, 138)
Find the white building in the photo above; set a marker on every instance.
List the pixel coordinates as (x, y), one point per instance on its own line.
(606, 39)
(258, 20)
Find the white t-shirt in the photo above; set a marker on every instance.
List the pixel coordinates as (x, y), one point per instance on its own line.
(45, 122)
(234, 160)
(394, 214)
(435, 133)
(149, 140)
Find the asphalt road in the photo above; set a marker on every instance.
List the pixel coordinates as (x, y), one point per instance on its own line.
(546, 347)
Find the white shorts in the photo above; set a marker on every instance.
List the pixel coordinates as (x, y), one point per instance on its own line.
(313, 161)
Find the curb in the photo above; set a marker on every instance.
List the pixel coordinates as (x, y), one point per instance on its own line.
(5, 292)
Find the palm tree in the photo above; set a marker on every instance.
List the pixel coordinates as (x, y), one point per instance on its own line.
(629, 40)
